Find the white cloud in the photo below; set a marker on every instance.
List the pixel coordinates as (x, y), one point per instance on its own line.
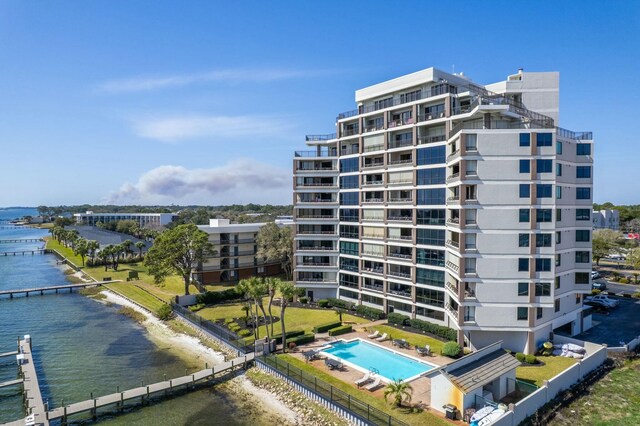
(240, 181)
(143, 84)
(173, 129)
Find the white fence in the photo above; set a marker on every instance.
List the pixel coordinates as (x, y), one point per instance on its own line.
(597, 355)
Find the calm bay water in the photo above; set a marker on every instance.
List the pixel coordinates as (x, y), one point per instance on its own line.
(82, 346)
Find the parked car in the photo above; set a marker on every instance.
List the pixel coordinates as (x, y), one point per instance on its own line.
(603, 298)
(598, 304)
(599, 286)
(595, 275)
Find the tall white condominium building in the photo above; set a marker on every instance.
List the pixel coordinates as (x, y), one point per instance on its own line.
(454, 203)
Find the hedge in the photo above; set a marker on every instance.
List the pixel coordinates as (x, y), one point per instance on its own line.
(520, 356)
(323, 303)
(371, 313)
(325, 327)
(337, 303)
(435, 329)
(292, 333)
(301, 340)
(398, 319)
(340, 330)
(451, 349)
(530, 359)
(214, 297)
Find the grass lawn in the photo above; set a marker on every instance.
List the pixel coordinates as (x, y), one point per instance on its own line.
(614, 400)
(554, 365)
(295, 318)
(424, 418)
(139, 295)
(414, 339)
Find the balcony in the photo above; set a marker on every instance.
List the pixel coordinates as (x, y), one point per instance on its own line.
(378, 147)
(373, 200)
(374, 270)
(320, 138)
(316, 248)
(373, 164)
(431, 116)
(400, 218)
(453, 176)
(373, 182)
(452, 311)
(321, 154)
(400, 143)
(454, 155)
(425, 140)
(454, 199)
(316, 216)
(452, 288)
(401, 293)
(317, 264)
(373, 128)
(453, 244)
(400, 122)
(401, 162)
(453, 266)
(400, 255)
(312, 232)
(400, 199)
(350, 131)
(399, 274)
(373, 287)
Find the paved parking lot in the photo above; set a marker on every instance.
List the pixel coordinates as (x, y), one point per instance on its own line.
(622, 324)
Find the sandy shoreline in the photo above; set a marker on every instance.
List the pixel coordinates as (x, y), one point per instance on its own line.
(194, 352)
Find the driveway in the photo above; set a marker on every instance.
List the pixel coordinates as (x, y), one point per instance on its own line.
(619, 327)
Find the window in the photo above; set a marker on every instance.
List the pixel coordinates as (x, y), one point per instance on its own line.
(538, 313)
(582, 277)
(432, 155)
(557, 283)
(523, 240)
(558, 169)
(471, 144)
(429, 297)
(432, 237)
(558, 147)
(578, 298)
(583, 214)
(472, 168)
(583, 172)
(583, 149)
(525, 190)
(430, 257)
(583, 193)
(583, 235)
(349, 182)
(543, 215)
(523, 289)
(583, 257)
(470, 265)
(261, 269)
(349, 265)
(558, 237)
(543, 240)
(525, 166)
(558, 259)
(347, 247)
(349, 215)
(470, 217)
(349, 231)
(523, 264)
(431, 217)
(544, 139)
(543, 265)
(543, 190)
(434, 196)
(556, 305)
(470, 241)
(470, 192)
(524, 215)
(349, 165)
(523, 313)
(349, 198)
(430, 176)
(558, 192)
(544, 166)
(430, 277)
(525, 139)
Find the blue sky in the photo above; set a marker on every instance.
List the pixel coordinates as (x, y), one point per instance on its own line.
(204, 102)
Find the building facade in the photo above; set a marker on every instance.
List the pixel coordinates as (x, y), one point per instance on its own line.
(144, 220)
(606, 219)
(451, 202)
(235, 253)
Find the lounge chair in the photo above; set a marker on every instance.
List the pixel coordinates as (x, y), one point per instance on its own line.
(374, 335)
(382, 338)
(401, 343)
(364, 379)
(373, 386)
(424, 351)
(333, 364)
(310, 355)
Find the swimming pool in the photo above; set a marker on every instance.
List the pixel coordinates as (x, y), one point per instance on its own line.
(368, 356)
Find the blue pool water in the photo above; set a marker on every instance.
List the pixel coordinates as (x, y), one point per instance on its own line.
(388, 364)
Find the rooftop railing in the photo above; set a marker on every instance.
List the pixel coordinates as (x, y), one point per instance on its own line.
(323, 153)
(320, 138)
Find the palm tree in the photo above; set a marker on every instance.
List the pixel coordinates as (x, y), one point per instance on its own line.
(140, 245)
(93, 247)
(257, 290)
(272, 286)
(126, 246)
(81, 248)
(287, 291)
(245, 289)
(339, 312)
(400, 391)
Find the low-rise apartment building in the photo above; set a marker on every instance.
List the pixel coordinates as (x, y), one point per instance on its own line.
(144, 220)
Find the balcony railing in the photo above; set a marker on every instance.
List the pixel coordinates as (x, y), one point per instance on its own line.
(373, 164)
(400, 274)
(400, 122)
(349, 235)
(400, 199)
(454, 220)
(373, 182)
(350, 132)
(317, 216)
(319, 138)
(372, 253)
(315, 248)
(400, 237)
(452, 311)
(316, 169)
(401, 182)
(374, 236)
(316, 280)
(431, 116)
(400, 293)
(373, 200)
(423, 140)
(317, 200)
(399, 162)
(377, 147)
(373, 287)
(315, 184)
(315, 154)
(454, 198)
(454, 244)
(378, 270)
(401, 218)
(453, 266)
(453, 176)
(316, 264)
(307, 232)
(455, 154)
(373, 128)
(400, 143)
(400, 255)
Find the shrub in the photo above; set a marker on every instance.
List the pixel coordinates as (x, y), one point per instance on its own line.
(398, 319)
(214, 297)
(595, 292)
(520, 356)
(340, 330)
(530, 359)
(337, 303)
(301, 340)
(292, 333)
(234, 327)
(304, 300)
(244, 333)
(371, 313)
(435, 329)
(325, 327)
(196, 308)
(624, 281)
(323, 303)
(636, 295)
(228, 320)
(164, 312)
(467, 351)
(451, 349)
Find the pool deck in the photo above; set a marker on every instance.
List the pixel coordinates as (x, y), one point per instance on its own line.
(421, 386)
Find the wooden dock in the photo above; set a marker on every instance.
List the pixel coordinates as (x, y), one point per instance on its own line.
(8, 354)
(24, 252)
(32, 396)
(145, 392)
(22, 240)
(11, 383)
(55, 288)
